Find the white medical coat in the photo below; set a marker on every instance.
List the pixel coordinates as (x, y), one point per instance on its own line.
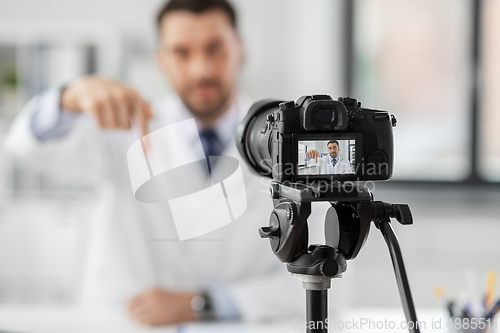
(326, 167)
(134, 246)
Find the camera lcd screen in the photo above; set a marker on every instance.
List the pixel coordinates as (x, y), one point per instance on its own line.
(326, 157)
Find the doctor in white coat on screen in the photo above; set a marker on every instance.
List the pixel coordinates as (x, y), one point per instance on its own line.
(136, 261)
(332, 164)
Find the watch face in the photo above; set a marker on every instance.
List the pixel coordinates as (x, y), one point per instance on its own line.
(202, 307)
(197, 303)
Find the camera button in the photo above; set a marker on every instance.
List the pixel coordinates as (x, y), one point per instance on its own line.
(287, 105)
(321, 97)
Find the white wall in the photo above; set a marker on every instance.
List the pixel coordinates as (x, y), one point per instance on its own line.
(288, 43)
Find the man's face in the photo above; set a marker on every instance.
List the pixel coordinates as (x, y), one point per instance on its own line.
(333, 150)
(201, 55)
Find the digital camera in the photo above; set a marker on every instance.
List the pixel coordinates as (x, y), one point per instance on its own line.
(317, 138)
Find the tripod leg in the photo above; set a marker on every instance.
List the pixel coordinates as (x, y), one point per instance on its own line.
(317, 311)
(399, 268)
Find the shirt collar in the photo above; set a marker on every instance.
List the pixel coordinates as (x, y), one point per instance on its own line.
(225, 126)
(332, 159)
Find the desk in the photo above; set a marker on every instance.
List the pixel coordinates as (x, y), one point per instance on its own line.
(39, 319)
(45, 319)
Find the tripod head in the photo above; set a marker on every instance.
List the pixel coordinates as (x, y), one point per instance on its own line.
(347, 224)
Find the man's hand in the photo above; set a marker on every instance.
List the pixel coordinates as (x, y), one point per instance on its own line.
(159, 307)
(312, 153)
(110, 103)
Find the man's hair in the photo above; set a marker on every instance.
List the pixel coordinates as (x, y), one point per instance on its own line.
(333, 141)
(197, 7)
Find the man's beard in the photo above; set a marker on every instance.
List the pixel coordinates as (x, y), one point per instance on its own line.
(219, 104)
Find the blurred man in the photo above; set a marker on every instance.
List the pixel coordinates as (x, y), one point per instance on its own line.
(83, 131)
(331, 164)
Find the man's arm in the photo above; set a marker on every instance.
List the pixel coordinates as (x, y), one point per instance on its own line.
(111, 104)
(161, 307)
(48, 119)
(51, 134)
(312, 155)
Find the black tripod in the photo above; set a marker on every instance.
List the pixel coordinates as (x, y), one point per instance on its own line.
(347, 224)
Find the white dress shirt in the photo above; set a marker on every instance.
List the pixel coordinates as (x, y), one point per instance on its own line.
(325, 163)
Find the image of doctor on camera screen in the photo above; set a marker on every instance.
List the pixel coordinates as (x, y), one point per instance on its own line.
(325, 158)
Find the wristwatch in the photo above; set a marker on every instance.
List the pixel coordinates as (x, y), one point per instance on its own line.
(202, 307)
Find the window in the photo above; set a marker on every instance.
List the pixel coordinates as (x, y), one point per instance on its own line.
(489, 129)
(414, 61)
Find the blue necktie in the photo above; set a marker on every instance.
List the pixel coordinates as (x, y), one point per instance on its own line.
(211, 145)
(334, 161)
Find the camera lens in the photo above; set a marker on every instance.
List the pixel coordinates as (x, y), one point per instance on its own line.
(253, 141)
(324, 115)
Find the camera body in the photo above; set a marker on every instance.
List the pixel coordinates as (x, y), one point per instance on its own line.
(317, 138)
